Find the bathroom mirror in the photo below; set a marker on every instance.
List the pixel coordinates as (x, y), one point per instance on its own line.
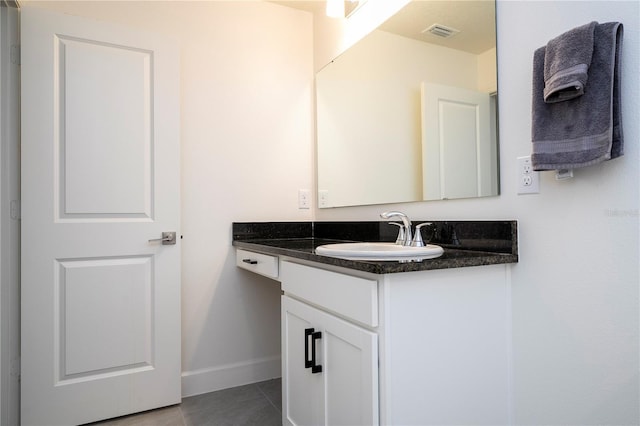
(409, 112)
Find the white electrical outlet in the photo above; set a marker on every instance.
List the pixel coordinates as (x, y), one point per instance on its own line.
(528, 179)
(323, 198)
(304, 199)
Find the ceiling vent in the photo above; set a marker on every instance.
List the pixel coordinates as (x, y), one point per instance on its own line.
(441, 31)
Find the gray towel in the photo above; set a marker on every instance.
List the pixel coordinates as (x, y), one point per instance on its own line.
(585, 130)
(566, 61)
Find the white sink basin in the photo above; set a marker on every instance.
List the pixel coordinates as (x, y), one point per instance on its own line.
(379, 251)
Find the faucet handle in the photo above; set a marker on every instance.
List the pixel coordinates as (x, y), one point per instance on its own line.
(401, 234)
(417, 239)
(406, 223)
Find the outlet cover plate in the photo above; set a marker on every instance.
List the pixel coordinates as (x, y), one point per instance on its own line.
(528, 179)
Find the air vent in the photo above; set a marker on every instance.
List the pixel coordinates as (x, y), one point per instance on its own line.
(441, 31)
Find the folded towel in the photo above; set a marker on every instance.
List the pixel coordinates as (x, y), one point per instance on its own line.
(585, 130)
(566, 61)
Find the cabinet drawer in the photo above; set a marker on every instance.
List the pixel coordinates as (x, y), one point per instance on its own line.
(259, 263)
(352, 297)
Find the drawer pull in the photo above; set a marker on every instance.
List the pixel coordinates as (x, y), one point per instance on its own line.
(250, 261)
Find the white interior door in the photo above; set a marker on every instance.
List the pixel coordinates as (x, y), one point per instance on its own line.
(456, 142)
(100, 177)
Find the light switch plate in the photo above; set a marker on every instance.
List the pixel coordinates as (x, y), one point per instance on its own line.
(304, 199)
(323, 198)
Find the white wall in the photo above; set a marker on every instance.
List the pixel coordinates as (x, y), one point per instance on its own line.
(247, 132)
(575, 295)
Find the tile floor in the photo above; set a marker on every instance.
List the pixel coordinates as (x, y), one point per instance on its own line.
(256, 404)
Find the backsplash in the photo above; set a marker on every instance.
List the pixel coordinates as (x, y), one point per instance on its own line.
(494, 236)
(271, 230)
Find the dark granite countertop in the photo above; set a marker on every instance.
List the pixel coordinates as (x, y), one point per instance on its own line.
(465, 243)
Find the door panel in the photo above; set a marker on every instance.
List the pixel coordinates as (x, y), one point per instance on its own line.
(458, 149)
(100, 177)
(92, 340)
(99, 133)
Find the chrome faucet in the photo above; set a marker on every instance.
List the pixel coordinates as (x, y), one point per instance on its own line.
(406, 225)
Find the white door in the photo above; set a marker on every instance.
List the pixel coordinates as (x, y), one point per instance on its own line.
(100, 177)
(456, 142)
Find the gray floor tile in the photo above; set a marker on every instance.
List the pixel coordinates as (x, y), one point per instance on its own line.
(272, 389)
(237, 395)
(259, 413)
(168, 416)
(258, 404)
(240, 406)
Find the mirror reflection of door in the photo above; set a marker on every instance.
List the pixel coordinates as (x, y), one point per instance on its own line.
(456, 142)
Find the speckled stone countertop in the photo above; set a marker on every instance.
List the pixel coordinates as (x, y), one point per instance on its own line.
(465, 243)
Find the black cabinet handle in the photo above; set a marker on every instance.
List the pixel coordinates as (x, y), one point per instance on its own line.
(311, 363)
(250, 261)
(307, 333)
(315, 368)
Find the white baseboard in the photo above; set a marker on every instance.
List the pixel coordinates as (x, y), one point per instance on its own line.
(205, 380)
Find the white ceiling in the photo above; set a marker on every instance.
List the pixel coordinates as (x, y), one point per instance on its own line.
(474, 18)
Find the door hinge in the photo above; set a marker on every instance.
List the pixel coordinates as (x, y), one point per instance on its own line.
(14, 209)
(15, 54)
(15, 368)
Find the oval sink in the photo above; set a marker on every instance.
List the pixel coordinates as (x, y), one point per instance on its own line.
(379, 251)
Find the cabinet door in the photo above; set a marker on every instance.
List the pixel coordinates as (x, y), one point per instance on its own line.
(302, 391)
(345, 392)
(350, 355)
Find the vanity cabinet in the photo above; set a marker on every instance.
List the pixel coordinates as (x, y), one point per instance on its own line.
(422, 348)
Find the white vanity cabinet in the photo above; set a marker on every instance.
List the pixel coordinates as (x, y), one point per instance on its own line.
(410, 348)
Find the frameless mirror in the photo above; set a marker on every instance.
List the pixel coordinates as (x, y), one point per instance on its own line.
(409, 113)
